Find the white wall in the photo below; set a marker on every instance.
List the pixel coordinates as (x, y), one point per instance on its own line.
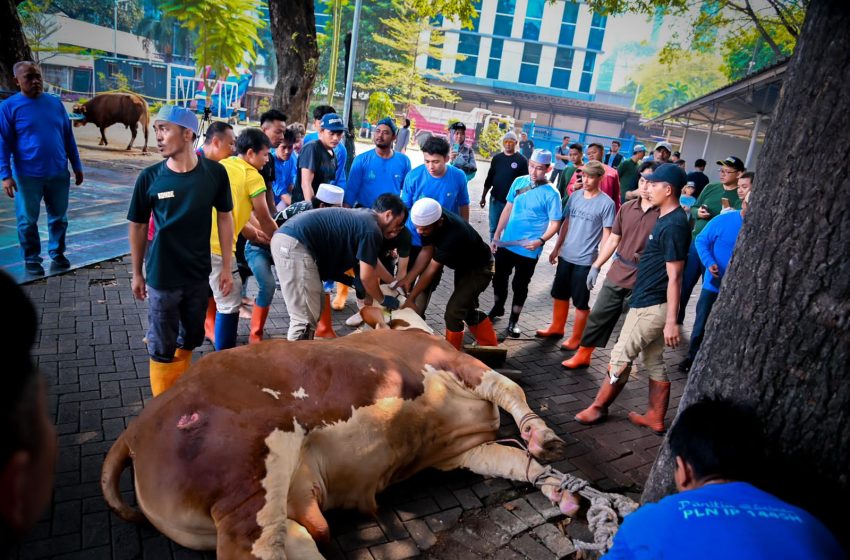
(720, 147)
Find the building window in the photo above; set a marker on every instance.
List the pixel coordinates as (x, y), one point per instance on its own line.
(597, 32)
(433, 64)
(533, 20)
(435, 22)
(530, 64)
(111, 69)
(568, 24)
(137, 73)
(504, 18)
(563, 68)
(587, 72)
(468, 46)
(495, 58)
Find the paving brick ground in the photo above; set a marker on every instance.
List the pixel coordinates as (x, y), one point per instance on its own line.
(91, 351)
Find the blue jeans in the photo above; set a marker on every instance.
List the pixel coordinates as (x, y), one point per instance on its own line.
(694, 269)
(176, 319)
(496, 207)
(704, 305)
(260, 260)
(31, 190)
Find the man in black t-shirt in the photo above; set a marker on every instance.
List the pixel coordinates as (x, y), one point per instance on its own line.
(651, 321)
(326, 243)
(698, 176)
(181, 192)
(317, 163)
(448, 240)
(504, 168)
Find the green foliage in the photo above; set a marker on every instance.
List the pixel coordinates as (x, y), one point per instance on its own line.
(490, 140)
(263, 105)
(380, 106)
(101, 12)
(226, 33)
(400, 77)
(115, 82)
(165, 34)
(153, 108)
(747, 53)
(662, 88)
(38, 25)
(462, 9)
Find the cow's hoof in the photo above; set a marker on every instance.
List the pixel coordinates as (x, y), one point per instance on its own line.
(545, 446)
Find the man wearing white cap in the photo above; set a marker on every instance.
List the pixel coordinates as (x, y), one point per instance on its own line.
(325, 244)
(663, 151)
(505, 167)
(181, 192)
(260, 259)
(531, 217)
(448, 240)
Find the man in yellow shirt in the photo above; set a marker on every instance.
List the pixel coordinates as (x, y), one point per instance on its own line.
(247, 189)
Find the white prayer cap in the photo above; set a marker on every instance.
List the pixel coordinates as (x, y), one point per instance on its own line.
(425, 212)
(330, 194)
(543, 157)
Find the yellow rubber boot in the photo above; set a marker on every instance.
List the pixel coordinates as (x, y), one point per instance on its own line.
(184, 356)
(163, 375)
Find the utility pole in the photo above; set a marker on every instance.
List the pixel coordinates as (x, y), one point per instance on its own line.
(334, 62)
(349, 81)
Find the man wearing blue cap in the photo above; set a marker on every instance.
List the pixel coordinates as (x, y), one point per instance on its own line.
(36, 144)
(531, 217)
(181, 192)
(377, 171)
(317, 161)
(341, 153)
(629, 176)
(651, 321)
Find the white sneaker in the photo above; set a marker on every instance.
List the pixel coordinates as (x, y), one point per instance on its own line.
(355, 320)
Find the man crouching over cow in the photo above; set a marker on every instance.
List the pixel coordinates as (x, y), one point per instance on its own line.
(181, 192)
(448, 240)
(324, 244)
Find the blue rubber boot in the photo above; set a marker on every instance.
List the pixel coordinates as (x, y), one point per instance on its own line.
(225, 330)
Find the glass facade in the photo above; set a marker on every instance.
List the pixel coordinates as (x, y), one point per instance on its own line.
(587, 72)
(495, 63)
(568, 24)
(530, 63)
(468, 46)
(597, 32)
(504, 18)
(563, 68)
(533, 20)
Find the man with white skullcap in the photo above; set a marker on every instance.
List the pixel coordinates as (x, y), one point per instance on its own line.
(531, 217)
(448, 240)
(181, 192)
(505, 168)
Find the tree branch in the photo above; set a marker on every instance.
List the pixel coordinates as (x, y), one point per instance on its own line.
(792, 29)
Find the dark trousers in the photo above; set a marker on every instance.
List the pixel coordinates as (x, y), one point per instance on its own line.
(176, 319)
(571, 283)
(463, 303)
(506, 262)
(704, 305)
(610, 303)
(694, 269)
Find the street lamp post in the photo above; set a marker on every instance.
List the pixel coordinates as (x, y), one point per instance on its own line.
(115, 27)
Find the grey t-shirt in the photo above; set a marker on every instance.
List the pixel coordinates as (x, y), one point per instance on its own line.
(403, 139)
(587, 217)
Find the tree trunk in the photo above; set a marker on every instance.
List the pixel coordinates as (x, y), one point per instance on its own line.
(293, 26)
(779, 336)
(13, 44)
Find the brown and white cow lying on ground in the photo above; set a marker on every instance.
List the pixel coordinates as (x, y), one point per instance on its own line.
(250, 446)
(107, 109)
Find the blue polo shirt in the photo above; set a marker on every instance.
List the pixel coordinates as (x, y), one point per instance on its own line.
(449, 190)
(36, 137)
(285, 175)
(715, 244)
(531, 214)
(371, 176)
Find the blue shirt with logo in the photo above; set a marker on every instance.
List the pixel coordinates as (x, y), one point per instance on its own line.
(285, 175)
(531, 214)
(733, 520)
(449, 190)
(371, 176)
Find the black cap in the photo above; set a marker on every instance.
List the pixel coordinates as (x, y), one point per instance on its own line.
(732, 162)
(669, 173)
(457, 126)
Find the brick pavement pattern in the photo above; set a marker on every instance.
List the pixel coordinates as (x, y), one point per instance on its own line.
(91, 351)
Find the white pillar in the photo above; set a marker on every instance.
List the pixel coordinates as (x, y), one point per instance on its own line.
(751, 150)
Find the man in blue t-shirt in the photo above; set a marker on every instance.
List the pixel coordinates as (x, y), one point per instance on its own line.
(531, 217)
(36, 144)
(285, 169)
(379, 171)
(444, 183)
(651, 321)
(718, 448)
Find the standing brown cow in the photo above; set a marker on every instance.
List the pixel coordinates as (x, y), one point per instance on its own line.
(107, 109)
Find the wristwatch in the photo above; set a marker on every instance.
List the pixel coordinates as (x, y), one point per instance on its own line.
(542, 241)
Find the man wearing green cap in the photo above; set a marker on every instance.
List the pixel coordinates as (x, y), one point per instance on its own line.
(181, 192)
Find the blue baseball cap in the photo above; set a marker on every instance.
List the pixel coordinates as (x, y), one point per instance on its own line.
(669, 173)
(332, 122)
(179, 116)
(389, 123)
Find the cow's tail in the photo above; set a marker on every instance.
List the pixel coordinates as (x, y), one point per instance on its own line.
(116, 461)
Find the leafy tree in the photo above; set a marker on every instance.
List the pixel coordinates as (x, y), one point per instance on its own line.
(165, 34)
(747, 52)
(490, 140)
(38, 26)
(401, 78)
(226, 34)
(380, 106)
(101, 12)
(662, 87)
(13, 43)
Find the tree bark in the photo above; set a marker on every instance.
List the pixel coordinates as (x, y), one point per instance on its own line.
(293, 27)
(13, 44)
(779, 336)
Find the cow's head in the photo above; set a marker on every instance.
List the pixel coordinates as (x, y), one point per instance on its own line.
(79, 109)
(401, 319)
